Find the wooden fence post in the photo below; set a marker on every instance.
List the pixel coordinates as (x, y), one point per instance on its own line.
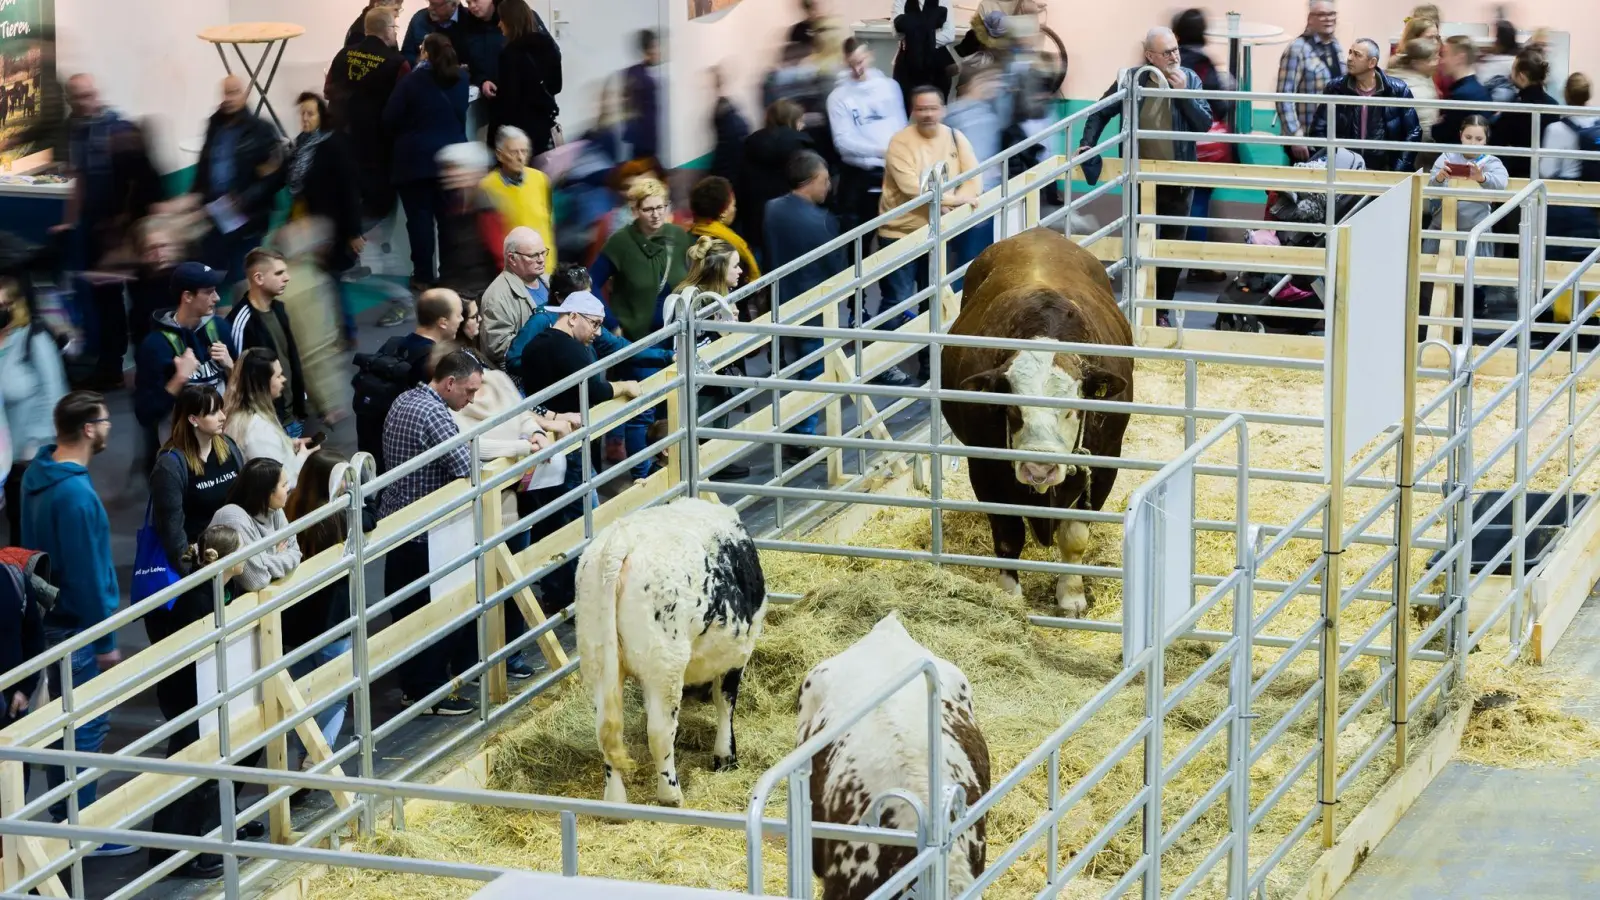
(270, 637)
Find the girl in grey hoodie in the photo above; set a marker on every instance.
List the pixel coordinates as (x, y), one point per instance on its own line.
(256, 511)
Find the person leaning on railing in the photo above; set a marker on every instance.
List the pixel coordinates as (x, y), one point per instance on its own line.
(418, 422)
(1568, 133)
(1371, 123)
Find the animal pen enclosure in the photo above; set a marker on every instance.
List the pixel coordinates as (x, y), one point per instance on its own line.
(1328, 603)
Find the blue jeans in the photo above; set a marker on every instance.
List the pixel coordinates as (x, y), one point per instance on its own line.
(86, 738)
(636, 431)
(798, 348)
(330, 720)
(1200, 208)
(966, 246)
(897, 286)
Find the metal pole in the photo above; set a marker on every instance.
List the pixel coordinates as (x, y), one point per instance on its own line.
(1130, 201)
(936, 262)
(1240, 683)
(1333, 545)
(225, 796)
(1526, 263)
(480, 575)
(799, 839)
(1154, 707)
(688, 410)
(358, 635)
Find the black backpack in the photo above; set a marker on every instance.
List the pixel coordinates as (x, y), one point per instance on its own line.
(1588, 142)
(380, 378)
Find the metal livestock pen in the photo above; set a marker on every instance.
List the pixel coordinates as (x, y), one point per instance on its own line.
(885, 448)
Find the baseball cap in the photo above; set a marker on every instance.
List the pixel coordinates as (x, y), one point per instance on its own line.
(581, 302)
(193, 276)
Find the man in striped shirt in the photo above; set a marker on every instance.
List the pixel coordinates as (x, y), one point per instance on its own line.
(1310, 63)
(418, 422)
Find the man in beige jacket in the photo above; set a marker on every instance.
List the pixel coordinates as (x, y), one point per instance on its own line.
(913, 154)
(512, 298)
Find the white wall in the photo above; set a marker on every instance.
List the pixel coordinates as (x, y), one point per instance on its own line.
(148, 63)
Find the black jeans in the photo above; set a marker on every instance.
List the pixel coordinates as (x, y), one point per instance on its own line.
(558, 589)
(1171, 200)
(14, 501)
(430, 667)
(422, 201)
(856, 198)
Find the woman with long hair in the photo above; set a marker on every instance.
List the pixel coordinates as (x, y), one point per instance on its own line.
(530, 78)
(324, 183)
(426, 113)
(194, 470)
(315, 615)
(255, 510)
(252, 422)
(470, 335)
(1416, 65)
(715, 267)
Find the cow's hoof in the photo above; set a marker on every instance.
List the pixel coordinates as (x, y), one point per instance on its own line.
(1072, 601)
(724, 763)
(1010, 584)
(669, 796)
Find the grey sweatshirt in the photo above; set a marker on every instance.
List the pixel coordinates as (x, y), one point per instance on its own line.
(268, 565)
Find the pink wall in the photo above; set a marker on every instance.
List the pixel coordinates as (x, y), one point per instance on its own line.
(1113, 41)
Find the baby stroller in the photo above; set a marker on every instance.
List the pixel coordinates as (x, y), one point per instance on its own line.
(1288, 291)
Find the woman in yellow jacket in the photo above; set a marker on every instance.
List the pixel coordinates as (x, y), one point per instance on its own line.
(519, 192)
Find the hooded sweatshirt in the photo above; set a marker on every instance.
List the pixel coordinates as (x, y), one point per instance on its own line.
(156, 361)
(63, 516)
(864, 116)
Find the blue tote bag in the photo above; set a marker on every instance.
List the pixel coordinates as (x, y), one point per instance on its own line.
(152, 571)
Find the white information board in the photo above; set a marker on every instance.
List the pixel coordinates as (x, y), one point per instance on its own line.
(243, 659)
(1373, 302)
(446, 541)
(1157, 558)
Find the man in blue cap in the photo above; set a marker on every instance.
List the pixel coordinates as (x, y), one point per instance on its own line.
(186, 345)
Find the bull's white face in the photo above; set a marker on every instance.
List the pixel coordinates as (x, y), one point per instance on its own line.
(1034, 373)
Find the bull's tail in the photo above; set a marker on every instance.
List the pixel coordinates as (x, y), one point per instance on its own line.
(601, 579)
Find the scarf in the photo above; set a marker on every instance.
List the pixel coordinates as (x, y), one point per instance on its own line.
(305, 151)
(720, 231)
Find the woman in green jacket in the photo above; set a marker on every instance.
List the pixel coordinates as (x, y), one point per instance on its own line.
(641, 264)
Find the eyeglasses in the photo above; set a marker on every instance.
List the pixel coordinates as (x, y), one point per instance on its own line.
(98, 421)
(653, 210)
(542, 254)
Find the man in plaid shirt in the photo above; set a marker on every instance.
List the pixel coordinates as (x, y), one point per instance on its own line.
(419, 421)
(1310, 63)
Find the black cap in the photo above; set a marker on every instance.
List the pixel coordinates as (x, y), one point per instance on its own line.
(193, 276)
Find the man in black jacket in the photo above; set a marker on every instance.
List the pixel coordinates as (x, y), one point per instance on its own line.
(260, 320)
(359, 83)
(236, 177)
(1363, 78)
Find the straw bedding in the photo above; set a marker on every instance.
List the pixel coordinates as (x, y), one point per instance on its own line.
(1026, 680)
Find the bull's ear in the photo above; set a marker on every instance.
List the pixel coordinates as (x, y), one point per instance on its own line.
(993, 381)
(1099, 384)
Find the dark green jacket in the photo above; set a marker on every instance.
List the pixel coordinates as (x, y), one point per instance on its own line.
(641, 271)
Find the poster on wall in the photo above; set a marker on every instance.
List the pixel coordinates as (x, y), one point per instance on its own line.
(697, 8)
(27, 65)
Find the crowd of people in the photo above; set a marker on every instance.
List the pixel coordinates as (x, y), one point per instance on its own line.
(533, 259)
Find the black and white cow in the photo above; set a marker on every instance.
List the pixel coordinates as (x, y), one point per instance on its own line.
(672, 595)
(887, 750)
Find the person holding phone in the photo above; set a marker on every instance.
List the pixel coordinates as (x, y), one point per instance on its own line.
(1483, 169)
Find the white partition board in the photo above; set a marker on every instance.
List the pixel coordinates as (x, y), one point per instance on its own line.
(242, 659)
(1373, 302)
(1158, 558)
(539, 886)
(447, 541)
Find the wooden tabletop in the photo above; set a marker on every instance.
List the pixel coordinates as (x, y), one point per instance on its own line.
(252, 32)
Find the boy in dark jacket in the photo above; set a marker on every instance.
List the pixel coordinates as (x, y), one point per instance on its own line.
(260, 320)
(186, 345)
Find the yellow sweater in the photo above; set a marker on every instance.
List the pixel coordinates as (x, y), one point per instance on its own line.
(909, 159)
(525, 204)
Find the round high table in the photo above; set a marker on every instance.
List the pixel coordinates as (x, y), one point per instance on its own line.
(1241, 36)
(271, 34)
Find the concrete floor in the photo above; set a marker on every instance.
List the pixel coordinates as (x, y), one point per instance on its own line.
(1480, 833)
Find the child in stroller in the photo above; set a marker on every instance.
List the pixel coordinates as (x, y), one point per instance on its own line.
(1293, 291)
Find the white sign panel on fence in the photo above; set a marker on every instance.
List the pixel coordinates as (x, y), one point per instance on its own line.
(446, 541)
(242, 659)
(1373, 301)
(1158, 559)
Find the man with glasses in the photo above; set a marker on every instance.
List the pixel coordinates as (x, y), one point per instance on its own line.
(1310, 63)
(519, 192)
(519, 292)
(555, 354)
(1157, 114)
(63, 517)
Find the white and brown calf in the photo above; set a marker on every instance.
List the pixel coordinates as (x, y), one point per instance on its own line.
(887, 750)
(672, 595)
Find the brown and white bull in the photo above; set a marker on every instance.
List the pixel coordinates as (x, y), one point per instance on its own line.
(672, 595)
(887, 750)
(1041, 286)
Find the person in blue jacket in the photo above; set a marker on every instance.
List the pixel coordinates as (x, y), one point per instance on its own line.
(63, 517)
(442, 17)
(569, 278)
(426, 113)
